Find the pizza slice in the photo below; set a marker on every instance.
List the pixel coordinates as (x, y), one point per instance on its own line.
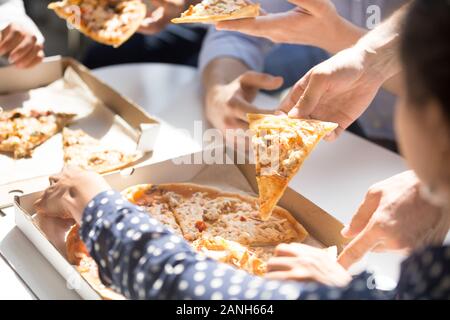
(211, 11)
(21, 131)
(83, 151)
(111, 22)
(281, 145)
(232, 253)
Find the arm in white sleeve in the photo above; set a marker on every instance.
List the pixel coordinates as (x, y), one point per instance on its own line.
(13, 11)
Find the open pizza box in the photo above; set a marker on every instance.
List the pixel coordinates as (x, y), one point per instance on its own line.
(324, 230)
(64, 85)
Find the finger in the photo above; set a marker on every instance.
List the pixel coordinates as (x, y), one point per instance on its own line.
(11, 41)
(315, 89)
(22, 49)
(357, 248)
(36, 54)
(285, 250)
(239, 108)
(280, 264)
(252, 26)
(278, 275)
(261, 81)
(362, 216)
(294, 95)
(38, 59)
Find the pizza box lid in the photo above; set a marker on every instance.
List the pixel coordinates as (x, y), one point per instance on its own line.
(145, 127)
(320, 225)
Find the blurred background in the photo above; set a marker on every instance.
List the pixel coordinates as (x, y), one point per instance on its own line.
(60, 40)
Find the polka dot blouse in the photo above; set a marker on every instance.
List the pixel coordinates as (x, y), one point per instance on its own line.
(142, 259)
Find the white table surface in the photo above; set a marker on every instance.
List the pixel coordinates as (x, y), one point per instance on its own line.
(335, 177)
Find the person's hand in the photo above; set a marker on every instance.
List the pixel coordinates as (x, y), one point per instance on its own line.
(393, 217)
(69, 194)
(160, 14)
(338, 90)
(227, 105)
(313, 22)
(300, 262)
(20, 46)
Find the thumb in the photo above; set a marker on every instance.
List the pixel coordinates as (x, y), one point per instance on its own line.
(362, 216)
(357, 248)
(261, 81)
(315, 89)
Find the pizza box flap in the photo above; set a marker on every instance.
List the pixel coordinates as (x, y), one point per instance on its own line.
(144, 127)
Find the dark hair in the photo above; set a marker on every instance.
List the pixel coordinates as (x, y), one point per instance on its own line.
(425, 52)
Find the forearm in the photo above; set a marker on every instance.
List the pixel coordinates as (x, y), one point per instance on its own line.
(345, 35)
(221, 71)
(381, 47)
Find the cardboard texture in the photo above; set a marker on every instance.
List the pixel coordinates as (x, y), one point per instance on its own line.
(324, 229)
(102, 112)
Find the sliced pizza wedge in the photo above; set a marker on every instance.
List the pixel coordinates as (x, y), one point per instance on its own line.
(83, 151)
(211, 11)
(21, 131)
(281, 145)
(111, 22)
(159, 205)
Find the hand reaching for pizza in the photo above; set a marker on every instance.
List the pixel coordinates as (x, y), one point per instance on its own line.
(313, 22)
(69, 194)
(338, 90)
(300, 262)
(227, 105)
(160, 13)
(394, 217)
(20, 46)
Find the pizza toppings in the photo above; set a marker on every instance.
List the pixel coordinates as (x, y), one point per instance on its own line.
(21, 131)
(210, 11)
(203, 212)
(110, 22)
(281, 145)
(201, 225)
(232, 253)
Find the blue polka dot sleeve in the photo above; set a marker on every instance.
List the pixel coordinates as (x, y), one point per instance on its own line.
(142, 259)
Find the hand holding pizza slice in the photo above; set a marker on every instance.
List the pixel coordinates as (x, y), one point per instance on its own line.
(281, 145)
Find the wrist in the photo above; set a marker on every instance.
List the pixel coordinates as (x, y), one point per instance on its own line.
(345, 35)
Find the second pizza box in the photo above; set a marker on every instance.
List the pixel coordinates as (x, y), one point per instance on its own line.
(322, 227)
(101, 111)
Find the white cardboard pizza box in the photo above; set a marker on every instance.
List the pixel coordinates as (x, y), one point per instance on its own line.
(135, 124)
(321, 226)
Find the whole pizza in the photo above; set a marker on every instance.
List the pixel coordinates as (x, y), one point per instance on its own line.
(223, 226)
